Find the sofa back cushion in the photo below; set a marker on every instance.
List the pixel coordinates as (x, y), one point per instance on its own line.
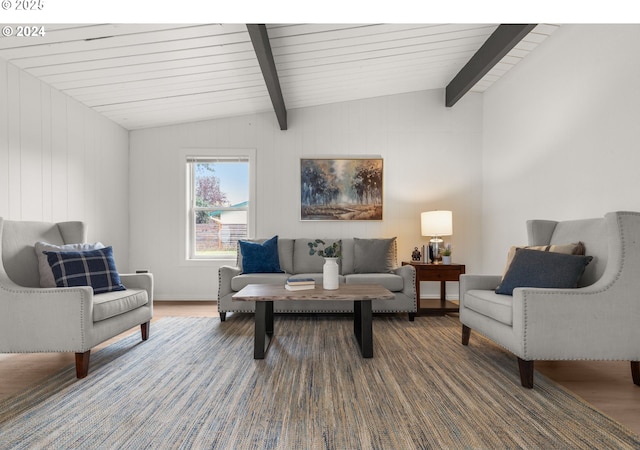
(348, 252)
(303, 261)
(285, 251)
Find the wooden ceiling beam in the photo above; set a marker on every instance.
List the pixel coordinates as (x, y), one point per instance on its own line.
(501, 41)
(262, 47)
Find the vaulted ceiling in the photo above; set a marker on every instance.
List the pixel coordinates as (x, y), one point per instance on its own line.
(147, 75)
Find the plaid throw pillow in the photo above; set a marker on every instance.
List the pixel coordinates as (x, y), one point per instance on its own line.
(95, 268)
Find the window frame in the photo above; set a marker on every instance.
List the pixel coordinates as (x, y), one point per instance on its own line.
(187, 215)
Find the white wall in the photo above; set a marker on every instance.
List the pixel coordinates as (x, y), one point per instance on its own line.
(432, 156)
(61, 161)
(562, 135)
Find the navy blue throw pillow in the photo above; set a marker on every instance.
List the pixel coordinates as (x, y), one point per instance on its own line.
(95, 268)
(260, 258)
(533, 268)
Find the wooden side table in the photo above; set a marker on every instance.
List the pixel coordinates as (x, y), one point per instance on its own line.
(436, 272)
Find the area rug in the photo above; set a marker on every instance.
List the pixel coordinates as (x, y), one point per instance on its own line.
(195, 384)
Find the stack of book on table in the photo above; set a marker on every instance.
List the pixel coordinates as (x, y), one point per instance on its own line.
(300, 284)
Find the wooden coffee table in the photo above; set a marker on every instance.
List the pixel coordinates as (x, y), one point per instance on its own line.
(360, 294)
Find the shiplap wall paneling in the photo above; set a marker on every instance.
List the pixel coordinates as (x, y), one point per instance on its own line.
(30, 132)
(60, 161)
(46, 152)
(75, 154)
(13, 122)
(4, 139)
(59, 157)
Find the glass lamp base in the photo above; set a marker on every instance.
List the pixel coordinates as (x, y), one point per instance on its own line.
(435, 245)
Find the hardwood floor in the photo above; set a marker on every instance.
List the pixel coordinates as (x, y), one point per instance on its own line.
(18, 371)
(606, 385)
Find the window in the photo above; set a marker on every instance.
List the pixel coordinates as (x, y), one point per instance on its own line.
(218, 204)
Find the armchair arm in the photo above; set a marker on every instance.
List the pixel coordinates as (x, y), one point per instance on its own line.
(408, 274)
(225, 274)
(45, 320)
(593, 322)
(138, 281)
(481, 282)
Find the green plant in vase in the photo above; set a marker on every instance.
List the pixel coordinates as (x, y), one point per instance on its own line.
(331, 251)
(446, 254)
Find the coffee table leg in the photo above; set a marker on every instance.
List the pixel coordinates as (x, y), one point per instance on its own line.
(263, 329)
(363, 326)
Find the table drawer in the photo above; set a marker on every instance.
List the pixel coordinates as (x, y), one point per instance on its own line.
(441, 274)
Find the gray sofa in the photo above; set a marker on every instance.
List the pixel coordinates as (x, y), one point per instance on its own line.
(295, 260)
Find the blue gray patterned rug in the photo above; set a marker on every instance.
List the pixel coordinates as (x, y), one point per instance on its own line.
(195, 384)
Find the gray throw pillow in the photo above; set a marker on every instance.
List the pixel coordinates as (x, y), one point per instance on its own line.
(374, 255)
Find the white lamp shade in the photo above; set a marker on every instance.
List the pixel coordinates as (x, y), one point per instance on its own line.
(437, 223)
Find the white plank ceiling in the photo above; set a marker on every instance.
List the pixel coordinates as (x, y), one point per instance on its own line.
(147, 75)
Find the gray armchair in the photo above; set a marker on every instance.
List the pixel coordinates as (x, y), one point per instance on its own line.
(596, 321)
(35, 319)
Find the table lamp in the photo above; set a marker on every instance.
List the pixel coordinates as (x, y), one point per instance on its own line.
(435, 224)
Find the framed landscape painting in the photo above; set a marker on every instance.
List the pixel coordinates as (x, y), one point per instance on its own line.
(341, 189)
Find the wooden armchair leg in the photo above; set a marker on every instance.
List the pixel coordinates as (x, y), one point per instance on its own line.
(82, 364)
(466, 334)
(144, 329)
(635, 372)
(526, 373)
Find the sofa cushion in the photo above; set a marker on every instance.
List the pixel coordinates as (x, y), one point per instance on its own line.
(95, 268)
(46, 276)
(533, 268)
(374, 255)
(111, 304)
(240, 281)
(576, 248)
(488, 303)
(260, 257)
(285, 252)
(390, 281)
(304, 261)
(346, 262)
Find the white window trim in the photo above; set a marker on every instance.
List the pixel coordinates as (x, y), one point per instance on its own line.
(184, 207)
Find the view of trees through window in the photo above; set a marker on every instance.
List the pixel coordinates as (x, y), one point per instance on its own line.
(219, 207)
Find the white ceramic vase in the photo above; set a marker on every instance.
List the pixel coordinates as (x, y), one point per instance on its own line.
(330, 273)
(446, 260)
